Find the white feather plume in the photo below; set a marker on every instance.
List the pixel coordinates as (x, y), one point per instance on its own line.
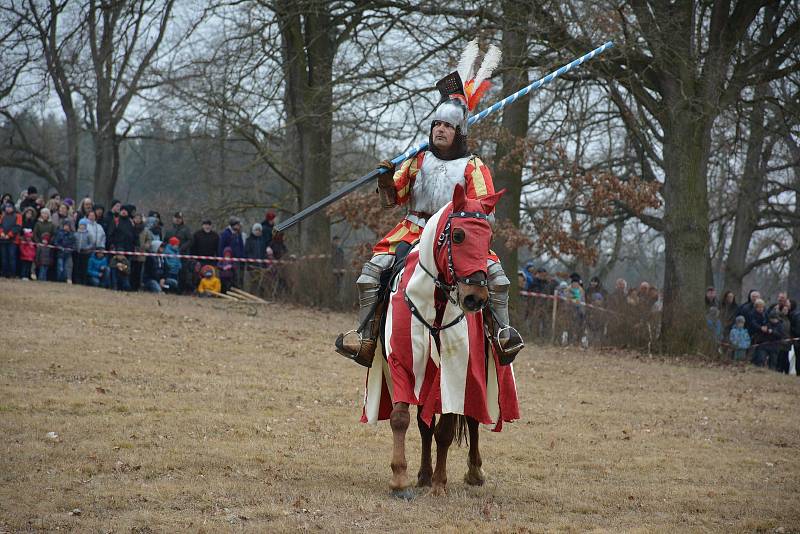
(466, 65)
(490, 62)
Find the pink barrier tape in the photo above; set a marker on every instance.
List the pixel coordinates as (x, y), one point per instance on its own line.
(570, 301)
(191, 256)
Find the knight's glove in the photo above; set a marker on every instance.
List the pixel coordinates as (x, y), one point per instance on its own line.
(386, 184)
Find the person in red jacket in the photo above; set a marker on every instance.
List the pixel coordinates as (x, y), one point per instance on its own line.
(10, 227)
(27, 253)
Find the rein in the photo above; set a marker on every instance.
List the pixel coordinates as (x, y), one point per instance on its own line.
(447, 289)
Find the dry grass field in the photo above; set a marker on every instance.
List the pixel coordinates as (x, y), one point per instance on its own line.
(182, 414)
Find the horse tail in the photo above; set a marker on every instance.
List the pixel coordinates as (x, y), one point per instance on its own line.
(462, 433)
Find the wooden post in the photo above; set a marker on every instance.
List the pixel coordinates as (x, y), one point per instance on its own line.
(555, 311)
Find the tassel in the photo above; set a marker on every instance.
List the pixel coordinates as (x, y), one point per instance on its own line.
(466, 65)
(490, 62)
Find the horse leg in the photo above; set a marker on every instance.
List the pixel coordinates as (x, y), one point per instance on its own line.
(399, 421)
(426, 464)
(444, 434)
(475, 475)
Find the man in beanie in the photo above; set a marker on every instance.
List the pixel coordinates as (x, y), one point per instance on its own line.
(232, 238)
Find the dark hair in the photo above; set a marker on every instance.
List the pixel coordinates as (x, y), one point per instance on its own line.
(722, 301)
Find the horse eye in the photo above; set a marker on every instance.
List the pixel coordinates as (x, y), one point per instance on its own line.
(459, 235)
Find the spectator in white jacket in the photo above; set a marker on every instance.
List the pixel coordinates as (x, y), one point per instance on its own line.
(96, 231)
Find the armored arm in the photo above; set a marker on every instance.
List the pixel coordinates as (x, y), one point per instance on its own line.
(386, 187)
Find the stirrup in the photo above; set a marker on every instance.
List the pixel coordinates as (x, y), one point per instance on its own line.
(360, 357)
(506, 355)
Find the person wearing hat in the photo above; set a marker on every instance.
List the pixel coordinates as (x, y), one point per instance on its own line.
(10, 228)
(181, 231)
(254, 248)
(111, 217)
(97, 272)
(266, 227)
(30, 199)
(27, 255)
(84, 244)
(205, 242)
(173, 263)
(122, 234)
(232, 238)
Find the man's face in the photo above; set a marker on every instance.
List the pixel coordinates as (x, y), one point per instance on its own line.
(711, 293)
(781, 298)
(177, 221)
(620, 284)
(237, 227)
(443, 135)
(206, 227)
(754, 296)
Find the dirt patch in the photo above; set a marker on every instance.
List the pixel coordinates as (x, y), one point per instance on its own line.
(171, 413)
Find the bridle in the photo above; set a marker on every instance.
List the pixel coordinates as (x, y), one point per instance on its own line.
(446, 237)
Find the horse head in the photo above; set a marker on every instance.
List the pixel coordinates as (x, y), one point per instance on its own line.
(464, 236)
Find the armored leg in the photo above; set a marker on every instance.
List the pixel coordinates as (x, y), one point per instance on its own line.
(359, 345)
(505, 338)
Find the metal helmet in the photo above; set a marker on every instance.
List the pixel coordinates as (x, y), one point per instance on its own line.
(454, 112)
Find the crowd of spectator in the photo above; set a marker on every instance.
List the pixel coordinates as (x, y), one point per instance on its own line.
(561, 308)
(57, 240)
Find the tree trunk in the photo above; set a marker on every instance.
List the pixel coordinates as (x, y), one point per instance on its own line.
(686, 237)
(106, 168)
(309, 51)
(794, 258)
(70, 187)
(508, 158)
(747, 203)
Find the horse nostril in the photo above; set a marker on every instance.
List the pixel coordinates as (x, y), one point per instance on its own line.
(472, 303)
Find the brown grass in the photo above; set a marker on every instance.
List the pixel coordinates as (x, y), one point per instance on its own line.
(195, 415)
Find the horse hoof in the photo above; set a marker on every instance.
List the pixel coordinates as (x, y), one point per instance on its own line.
(475, 477)
(438, 490)
(424, 481)
(406, 494)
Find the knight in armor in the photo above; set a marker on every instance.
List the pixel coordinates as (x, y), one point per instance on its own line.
(425, 183)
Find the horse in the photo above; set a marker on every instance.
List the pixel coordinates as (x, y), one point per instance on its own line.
(436, 350)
